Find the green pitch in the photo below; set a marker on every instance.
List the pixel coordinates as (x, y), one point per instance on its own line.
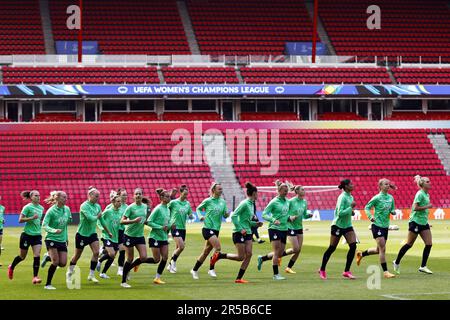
(306, 284)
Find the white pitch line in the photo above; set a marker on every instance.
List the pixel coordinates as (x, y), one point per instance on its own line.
(396, 296)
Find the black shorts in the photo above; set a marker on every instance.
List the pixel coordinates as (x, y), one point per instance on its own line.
(26, 241)
(132, 241)
(81, 242)
(418, 228)
(121, 235)
(294, 232)
(338, 232)
(60, 246)
(379, 232)
(275, 235)
(110, 244)
(152, 243)
(1, 232)
(179, 233)
(239, 238)
(208, 233)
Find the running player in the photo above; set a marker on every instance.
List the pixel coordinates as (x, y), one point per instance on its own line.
(242, 233)
(90, 212)
(277, 213)
(216, 209)
(55, 222)
(342, 225)
(418, 225)
(134, 219)
(31, 235)
(180, 209)
(111, 219)
(121, 259)
(384, 206)
(2, 222)
(159, 221)
(298, 210)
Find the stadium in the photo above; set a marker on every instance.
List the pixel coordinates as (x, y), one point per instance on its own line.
(161, 93)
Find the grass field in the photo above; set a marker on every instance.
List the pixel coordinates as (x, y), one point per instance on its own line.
(304, 285)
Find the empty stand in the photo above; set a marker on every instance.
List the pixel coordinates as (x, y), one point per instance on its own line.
(73, 161)
(253, 27)
(126, 27)
(340, 116)
(422, 75)
(74, 75)
(315, 75)
(431, 115)
(21, 28)
(408, 28)
(132, 116)
(268, 116)
(199, 75)
(365, 156)
(191, 116)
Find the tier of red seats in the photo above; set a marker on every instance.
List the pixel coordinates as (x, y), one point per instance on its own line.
(199, 75)
(431, 115)
(56, 117)
(315, 75)
(268, 116)
(49, 160)
(327, 156)
(132, 116)
(340, 116)
(422, 75)
(191, 116)
(130, 27)
(74, 75)
(21, 28)
(252, 27)
(408, 28)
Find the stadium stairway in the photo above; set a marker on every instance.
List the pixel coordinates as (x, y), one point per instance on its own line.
(442, 148)
(220, 163)
(47, 27)
(188, 29)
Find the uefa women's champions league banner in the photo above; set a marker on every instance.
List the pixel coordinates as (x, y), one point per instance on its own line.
(241, 90)
(12, 220)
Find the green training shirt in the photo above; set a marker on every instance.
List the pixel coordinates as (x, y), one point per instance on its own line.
(57, 218)
(299, 208)
(422, 198)
(88, 218)
(277, 209)
(2, 218)
(384, 206)
(32, 227)
(159, 218)
(242, 217)
(179, 211)
(132, 212)
(215, 209)
(122, 209)
(343, 211)
(111, 219)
